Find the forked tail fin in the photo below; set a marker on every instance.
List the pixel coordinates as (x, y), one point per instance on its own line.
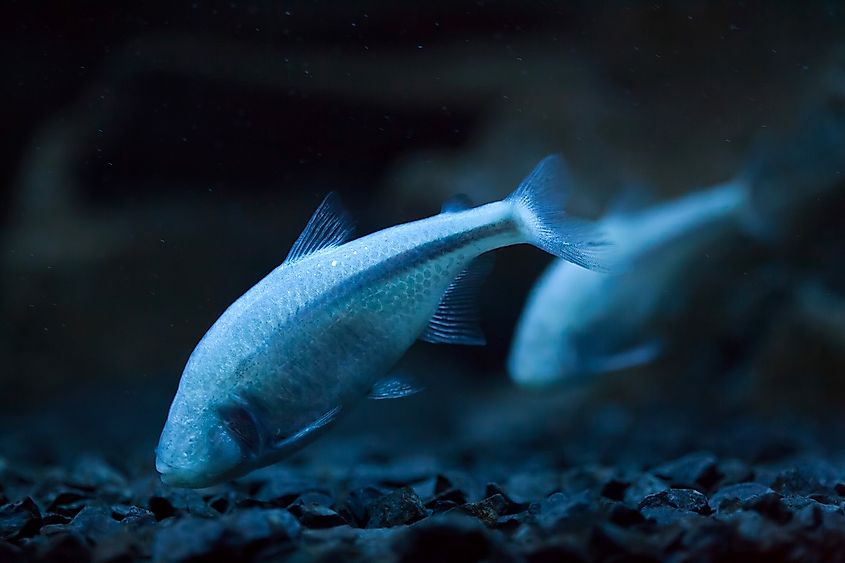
(539, 202)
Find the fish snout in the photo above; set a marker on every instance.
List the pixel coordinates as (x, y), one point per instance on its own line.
(199, 460)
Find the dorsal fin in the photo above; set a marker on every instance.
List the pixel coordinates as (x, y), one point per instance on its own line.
(458, 202)
(330, 225)
(456, 318)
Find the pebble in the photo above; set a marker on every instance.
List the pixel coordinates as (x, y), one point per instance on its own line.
(402, 506)
(692, 505)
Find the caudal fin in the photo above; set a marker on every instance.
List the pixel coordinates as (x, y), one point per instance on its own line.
(539, 201)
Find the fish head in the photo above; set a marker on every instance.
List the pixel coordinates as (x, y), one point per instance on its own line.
(537, 362)
(199, 447)
(203, 444)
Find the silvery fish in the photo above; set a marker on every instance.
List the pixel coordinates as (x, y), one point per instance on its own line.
(577, 321)
(320, 332)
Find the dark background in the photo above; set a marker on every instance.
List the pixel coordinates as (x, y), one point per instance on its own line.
(160, 159)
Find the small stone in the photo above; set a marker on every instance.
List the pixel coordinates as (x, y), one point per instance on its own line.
(314, 515)
(19, 520)
(512, 507)
(733, 497)
(487, 510)
(559, 509)
(402, 506)
(532, 485)
(688, 500)
(94, 522)
(808, 477)
(356, 504)
(129, 515)
(228, 537)
(281, 485)
(696, 470)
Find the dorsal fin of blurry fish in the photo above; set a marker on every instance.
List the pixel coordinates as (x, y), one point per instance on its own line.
(331, 225)
(456, 320)
(394, 387)
(319, 423)
(458, 202)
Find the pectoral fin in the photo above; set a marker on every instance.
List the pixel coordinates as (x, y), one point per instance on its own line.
(456, 320)
(632, 357)
(321, 422)
(394, 387)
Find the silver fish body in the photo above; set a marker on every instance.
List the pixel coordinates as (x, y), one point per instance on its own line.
(314, 336)
(577, 321)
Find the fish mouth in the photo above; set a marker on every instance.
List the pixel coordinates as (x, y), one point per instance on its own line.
(172, 475)
(189, 478)
(169, 474)
(163, 468)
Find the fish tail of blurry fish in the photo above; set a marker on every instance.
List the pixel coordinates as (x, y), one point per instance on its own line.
(539, 201)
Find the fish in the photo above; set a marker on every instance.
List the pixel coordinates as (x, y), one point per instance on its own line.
(322, 331)
(579, 322)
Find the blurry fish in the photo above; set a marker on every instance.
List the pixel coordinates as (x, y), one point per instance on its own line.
(320, 331)
(578, 321)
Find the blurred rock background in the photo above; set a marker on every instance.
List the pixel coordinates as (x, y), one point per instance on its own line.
(161, 159)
